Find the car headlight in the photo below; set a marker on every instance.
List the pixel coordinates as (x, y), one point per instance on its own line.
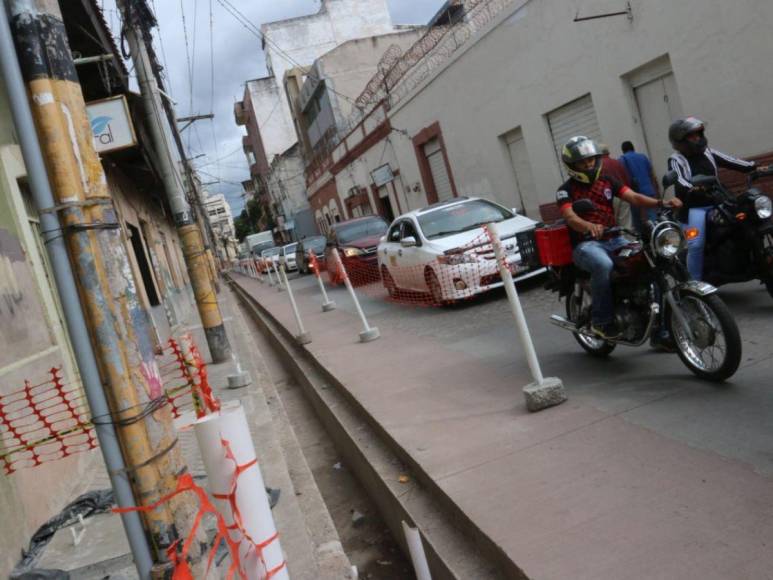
(764, 207)
(456, 259)
(668, 242)
(352, 252)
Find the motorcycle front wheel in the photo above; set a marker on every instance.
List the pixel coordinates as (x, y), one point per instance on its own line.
(714, 350)
(592, 345)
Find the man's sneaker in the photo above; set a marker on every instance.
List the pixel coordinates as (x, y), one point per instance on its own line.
(608, 331)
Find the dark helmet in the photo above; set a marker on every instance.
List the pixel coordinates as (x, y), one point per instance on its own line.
(681, 129)
(577, 149)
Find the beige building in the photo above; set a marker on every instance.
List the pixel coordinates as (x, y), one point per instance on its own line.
(483, 107)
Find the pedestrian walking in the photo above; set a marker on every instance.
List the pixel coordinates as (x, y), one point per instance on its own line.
(643, 180)
(613, 168)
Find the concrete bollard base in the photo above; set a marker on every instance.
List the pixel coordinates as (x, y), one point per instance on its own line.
(239, 380)
(549, 394)
(369, 335)
(303, 338)
(328, 306)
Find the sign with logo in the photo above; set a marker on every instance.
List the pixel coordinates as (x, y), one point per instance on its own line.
(111, 124)
(382, 175)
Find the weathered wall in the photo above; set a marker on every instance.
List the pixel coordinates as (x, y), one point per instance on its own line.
(533, 58)
(272, 116)
(32, 340)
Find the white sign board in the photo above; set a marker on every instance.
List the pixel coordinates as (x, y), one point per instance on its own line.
(382, 175)
(111, 124)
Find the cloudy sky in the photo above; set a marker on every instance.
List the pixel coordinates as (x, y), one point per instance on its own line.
(237, 58)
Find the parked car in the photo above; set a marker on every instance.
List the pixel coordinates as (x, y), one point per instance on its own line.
(314, 244)
(442, 250)
(271, 255)
(356, 241)
(287, 257)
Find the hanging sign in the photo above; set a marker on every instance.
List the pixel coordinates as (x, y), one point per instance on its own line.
(111, 124)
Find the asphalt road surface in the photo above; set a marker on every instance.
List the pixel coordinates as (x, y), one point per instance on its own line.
(651, 389)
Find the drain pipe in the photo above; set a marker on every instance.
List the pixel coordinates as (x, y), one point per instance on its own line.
(68, 293)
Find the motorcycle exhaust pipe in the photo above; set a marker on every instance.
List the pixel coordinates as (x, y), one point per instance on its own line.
(562, 322)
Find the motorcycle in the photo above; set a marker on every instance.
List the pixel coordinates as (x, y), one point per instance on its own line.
(739, 232)
(650, 284)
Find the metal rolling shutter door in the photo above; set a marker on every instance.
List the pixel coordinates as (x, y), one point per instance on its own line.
(575, 118)
(437, 167)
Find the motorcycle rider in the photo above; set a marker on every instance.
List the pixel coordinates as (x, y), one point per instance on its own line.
(692, 156)
(582, 158)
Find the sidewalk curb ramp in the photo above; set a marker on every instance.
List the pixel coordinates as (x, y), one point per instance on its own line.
(456, 548)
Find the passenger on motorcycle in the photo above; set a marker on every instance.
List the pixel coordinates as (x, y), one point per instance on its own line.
(593, 247)
(694, 157)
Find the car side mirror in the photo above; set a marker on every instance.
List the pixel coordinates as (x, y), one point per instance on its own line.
(583, 206)
(409, 242)
(670, 179)
(382, 239)
(514, 210)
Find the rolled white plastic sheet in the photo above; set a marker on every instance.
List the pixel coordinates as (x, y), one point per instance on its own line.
(230, 424)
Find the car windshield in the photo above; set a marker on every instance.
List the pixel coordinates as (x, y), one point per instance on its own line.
(454, 219)
(289, 249)
(347, 233)
(269, 252)
(317, 243)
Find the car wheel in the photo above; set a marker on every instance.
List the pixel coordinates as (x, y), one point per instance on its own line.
(388, 282)
(435, 289)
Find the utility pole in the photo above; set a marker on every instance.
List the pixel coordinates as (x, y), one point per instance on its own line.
(117, 323)
(194, 251)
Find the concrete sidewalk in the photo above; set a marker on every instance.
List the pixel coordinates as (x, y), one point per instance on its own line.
(573, 492)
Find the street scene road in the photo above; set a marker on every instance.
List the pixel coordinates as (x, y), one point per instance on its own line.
(652, 389)
(642, 451)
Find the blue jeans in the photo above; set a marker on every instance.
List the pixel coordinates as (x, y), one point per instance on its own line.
(696, 219)
(595, 258)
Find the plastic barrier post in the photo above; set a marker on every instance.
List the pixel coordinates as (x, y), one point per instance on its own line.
(543, 392)
(327, 304)
(279, 285)
(416, 549)
(235, 481)
(270, 277)
(368, 333)
(303, 337)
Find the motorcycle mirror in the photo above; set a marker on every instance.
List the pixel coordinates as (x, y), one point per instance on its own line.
(670, 179)
(583, 206)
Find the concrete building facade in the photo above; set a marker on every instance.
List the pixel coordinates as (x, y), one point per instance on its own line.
(287, 190)
(485, 111)
(222, 222)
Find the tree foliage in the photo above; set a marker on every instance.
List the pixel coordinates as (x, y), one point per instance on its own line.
(253, 219)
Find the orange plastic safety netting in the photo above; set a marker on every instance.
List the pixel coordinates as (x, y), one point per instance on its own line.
(43, 422)
(412, 272)
(50, 419)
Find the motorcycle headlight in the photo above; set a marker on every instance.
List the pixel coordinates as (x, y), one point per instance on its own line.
(668, 242)
(352, 252)
(764, 207)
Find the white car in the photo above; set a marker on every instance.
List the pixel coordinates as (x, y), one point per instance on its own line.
(270, 256)
(287, 257)
(443, 250)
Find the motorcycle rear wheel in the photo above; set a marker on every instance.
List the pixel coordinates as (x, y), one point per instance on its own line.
(594, 346)
(715, 354)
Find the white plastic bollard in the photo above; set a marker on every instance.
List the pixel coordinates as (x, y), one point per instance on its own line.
(416, 549)
(279, 286)
(270, 277)
(368, 333)
(230, 424)
(303, 337)
(327, 304)
(543, 392)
